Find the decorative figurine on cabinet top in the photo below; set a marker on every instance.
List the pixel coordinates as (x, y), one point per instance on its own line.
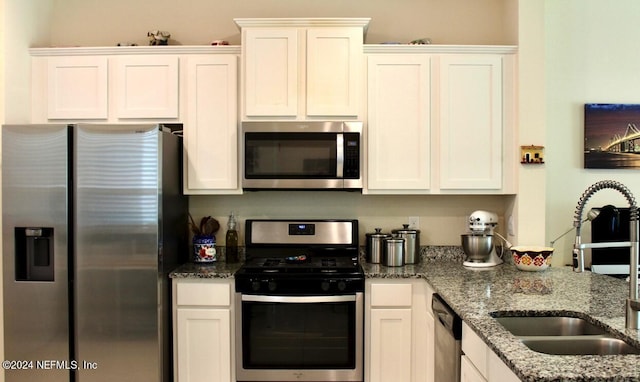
(158, 37)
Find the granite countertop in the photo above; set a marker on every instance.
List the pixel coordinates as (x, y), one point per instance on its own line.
(476, 293)
(215, 270)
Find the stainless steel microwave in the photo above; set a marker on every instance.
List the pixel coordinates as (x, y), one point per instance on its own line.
(302, 155)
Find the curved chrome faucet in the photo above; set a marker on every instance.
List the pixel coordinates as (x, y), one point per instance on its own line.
(633, 303)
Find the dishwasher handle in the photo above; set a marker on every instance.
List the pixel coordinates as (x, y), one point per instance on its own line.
(446, 316)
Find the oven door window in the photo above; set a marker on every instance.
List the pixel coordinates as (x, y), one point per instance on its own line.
(298, 335)
(290, 155)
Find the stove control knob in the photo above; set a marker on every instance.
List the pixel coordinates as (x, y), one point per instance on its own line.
(342, 285)
(325, 285)
(255, 285)
(271, 285)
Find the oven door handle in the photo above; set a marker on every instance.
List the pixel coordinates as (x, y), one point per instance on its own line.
(298, 299)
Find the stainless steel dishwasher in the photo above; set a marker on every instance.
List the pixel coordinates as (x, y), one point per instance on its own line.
(448, 336)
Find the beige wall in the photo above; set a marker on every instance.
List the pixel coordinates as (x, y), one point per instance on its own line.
(197, 22)
(529, 217)
(592, 55)
(28, 24)
(442, 218)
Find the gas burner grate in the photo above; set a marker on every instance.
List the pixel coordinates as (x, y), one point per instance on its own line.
(328, 262)
(271, 263)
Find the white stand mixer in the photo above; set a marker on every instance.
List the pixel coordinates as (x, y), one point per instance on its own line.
(480, 241)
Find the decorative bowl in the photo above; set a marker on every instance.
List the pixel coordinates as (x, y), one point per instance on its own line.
(531, 258)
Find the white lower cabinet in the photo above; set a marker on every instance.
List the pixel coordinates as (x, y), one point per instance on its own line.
(202, 330)
(390, 336)
(479, 363)
(468, 373)
(399, 331)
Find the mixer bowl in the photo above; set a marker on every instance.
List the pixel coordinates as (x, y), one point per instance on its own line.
(477, 247)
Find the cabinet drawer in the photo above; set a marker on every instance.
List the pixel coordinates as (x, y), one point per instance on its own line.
(391, 295)
(475, 349)
(201, 293)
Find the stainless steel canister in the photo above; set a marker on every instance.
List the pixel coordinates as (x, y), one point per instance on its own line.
(412, 243)
(375, 245)
(393, 252)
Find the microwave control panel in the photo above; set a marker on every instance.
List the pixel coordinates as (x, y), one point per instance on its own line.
(352, 155)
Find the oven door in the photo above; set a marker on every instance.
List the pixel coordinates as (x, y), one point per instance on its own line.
(299, 338)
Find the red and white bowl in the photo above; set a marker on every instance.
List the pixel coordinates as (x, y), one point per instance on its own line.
(531, 258)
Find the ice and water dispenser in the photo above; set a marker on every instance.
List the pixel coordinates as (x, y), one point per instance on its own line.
(34, 254)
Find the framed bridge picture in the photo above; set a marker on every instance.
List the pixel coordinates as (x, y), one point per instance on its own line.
(611, 136)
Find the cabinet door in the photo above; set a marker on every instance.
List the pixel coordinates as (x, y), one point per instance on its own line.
(211, 128)
(147, 86)
(468, 373)
(203, 345)
(77, 87)
(271, 71)
(390, 345)
(475, 350)
(334, 57)
(470, 110)
(399, 122)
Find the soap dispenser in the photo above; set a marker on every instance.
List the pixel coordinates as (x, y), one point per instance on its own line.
(231, 240)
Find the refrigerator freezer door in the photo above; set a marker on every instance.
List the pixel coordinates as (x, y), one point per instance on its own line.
(116, 252)
(34, 212)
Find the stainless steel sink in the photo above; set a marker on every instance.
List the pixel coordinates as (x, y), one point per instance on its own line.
(549, 326)
(579, 345)
(563, 335)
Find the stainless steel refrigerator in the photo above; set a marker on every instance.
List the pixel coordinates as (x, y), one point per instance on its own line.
(93, 220)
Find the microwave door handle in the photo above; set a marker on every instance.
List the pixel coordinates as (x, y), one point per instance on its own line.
(339, 155)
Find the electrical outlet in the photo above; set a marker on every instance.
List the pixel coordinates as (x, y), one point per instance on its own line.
(511, 226)
(414, 222)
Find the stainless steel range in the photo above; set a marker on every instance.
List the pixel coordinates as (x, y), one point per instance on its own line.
(299, 300)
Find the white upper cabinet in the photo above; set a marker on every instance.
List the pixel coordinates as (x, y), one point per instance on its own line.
(271, 71)
(109, 85)
(301, 68)
(441, 120)
(211, 128)
(75, 87)
(399, 122)
(471, 122)
(147, 86)
(196, 86)
(334, 62)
